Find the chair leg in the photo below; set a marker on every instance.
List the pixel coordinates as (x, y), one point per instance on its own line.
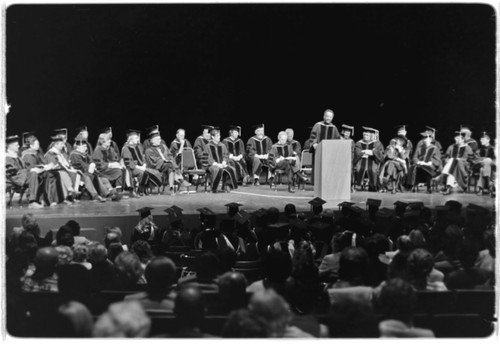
(21, 194)
(11, 195)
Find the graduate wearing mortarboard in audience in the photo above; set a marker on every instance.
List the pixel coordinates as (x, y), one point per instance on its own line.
(283, 157)
(324, 130)
(369, 153)
(199, 145)
(429, 131)
(218, 162)
(485, 165)
(66, 148)
(109, 133)
(33, 158)
(136, 164)
(426, 163)
(316, 208)
(237, 155)
(17, 173)
(108, 163)
(159, 158)
(258, 147)
(394, 168)
(232, 209)
(98, 187)
(175, 234)
(209, 237)
(458, 158)
(82, 134)
(146, 229)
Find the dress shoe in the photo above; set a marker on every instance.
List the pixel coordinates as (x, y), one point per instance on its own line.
(35, 205)
(185, 183)
(244, 182)
(257, 183)
(447, 191)
(301, 178)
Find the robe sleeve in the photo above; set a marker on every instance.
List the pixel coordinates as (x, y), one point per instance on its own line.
(153, 159)
(269, 145)
(436, 158)
(314, 137)
(273, 155)
(77, 162)
(208, 153)
(297, 148)
(378, 152)
(357, 152)
(128, 158)
(30, 160)
(225, 154)
(198, 148)
(99, 160)
(251, 148)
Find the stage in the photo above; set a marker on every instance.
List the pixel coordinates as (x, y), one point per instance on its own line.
(93, 216)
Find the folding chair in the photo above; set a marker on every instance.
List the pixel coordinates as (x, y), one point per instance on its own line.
(190, 168)
(306, 164)
(12, 189)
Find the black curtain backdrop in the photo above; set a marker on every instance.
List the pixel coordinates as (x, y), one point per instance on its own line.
(133, 66)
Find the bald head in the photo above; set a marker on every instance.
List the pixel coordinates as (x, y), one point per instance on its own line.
(160, 273)
(190, 306)
(46, 259)
(232, 285)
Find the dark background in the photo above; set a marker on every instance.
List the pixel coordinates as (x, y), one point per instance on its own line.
(133, 66)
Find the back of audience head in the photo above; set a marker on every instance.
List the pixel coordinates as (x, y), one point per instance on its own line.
(375, 245)
(351, 318)
(189, 307)
(111, 238)
(80, 253)
(417, 239)
(232, 289)
(129, 268)
(227, 258)
(353, 264)
(468, 254)
(32, 228)
(273, 309)
(79, 317)
(46, 260)
(64, 236)
(97, 253)
(277, 266)
(420, 264)
(206, 266)
(65, 254)
(405, 245)
(397, 300)
(290, 210)
(28, 219)
(489, 242)
(451, 240)
(161, 275)
(143, 250)
(244, 324)
(123, 319)
(273, 215)
(114, 250)
(73, 281)
(74, 226)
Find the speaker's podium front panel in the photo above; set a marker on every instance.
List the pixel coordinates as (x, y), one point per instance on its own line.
(332, 170)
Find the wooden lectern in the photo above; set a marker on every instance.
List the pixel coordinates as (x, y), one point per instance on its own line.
(332, 170)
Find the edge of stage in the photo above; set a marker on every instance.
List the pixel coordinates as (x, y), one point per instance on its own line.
(94, 216)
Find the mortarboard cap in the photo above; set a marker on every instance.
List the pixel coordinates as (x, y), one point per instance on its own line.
(25, 135)
(315, 202)
(57, 138)
(344, 204)
(400, 127)
(105, 130)
(370, 202)
(173, 215)
(12, 139)
(131, 132)
(465, 127)
(233, 205)
(177, 209)
(431, 130)
(454, 205)
(369, 130)
(62, 131)
(154, 134)
(153, 129)
(235, 127)
(416, 205)
(258, 126)
(348, 127)
(80, 129)
(354, 209)
(206, 126)
(241, 217)
(476, 208)
(206, 212)
(144, 212)
(399, 204)
(485, 134)
(426, 133)
(384, 213)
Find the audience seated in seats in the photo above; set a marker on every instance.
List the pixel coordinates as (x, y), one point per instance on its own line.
(123, 320)
(276, 271)
(232, 292)
(304, 290)
(329, 267)
(114, 249)
(64, 236)
(276, 312)
(81, 255)
(351, 318)
(160, 295)
(80, 320)
(396, 301)
(143, 250)
(44, 278)
(243, 323)
(189, 312)
(128, 271)
(65, 254)
(114, 235)
(420, 264)
(486, 258)
(206, 269)
(101, 275)
(30, 224)
(75, 229)
(376, 246)
(469, 276)
(227, 258)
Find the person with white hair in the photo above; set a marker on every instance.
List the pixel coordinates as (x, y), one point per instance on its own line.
(123, 320)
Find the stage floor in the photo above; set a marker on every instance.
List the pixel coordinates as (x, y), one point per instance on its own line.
(251, 197)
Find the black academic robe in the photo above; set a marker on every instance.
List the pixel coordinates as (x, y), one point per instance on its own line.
(422, 173)
(19, 175)
(297, 147)
(485, 164)
(257, 146)
(132, 158)
(67, 148)
(323, 131)
(237, 148)
(217, 153)
(93, 182)
(393, 169)
(458, 160)
(368, 165)
(472, 143)
(147, 144)
(285, 150)
(102, 157)
(48, 180)
(160, 159)
(421, 145)
(199, 150)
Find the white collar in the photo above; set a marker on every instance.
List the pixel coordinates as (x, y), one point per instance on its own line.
(12, 154)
